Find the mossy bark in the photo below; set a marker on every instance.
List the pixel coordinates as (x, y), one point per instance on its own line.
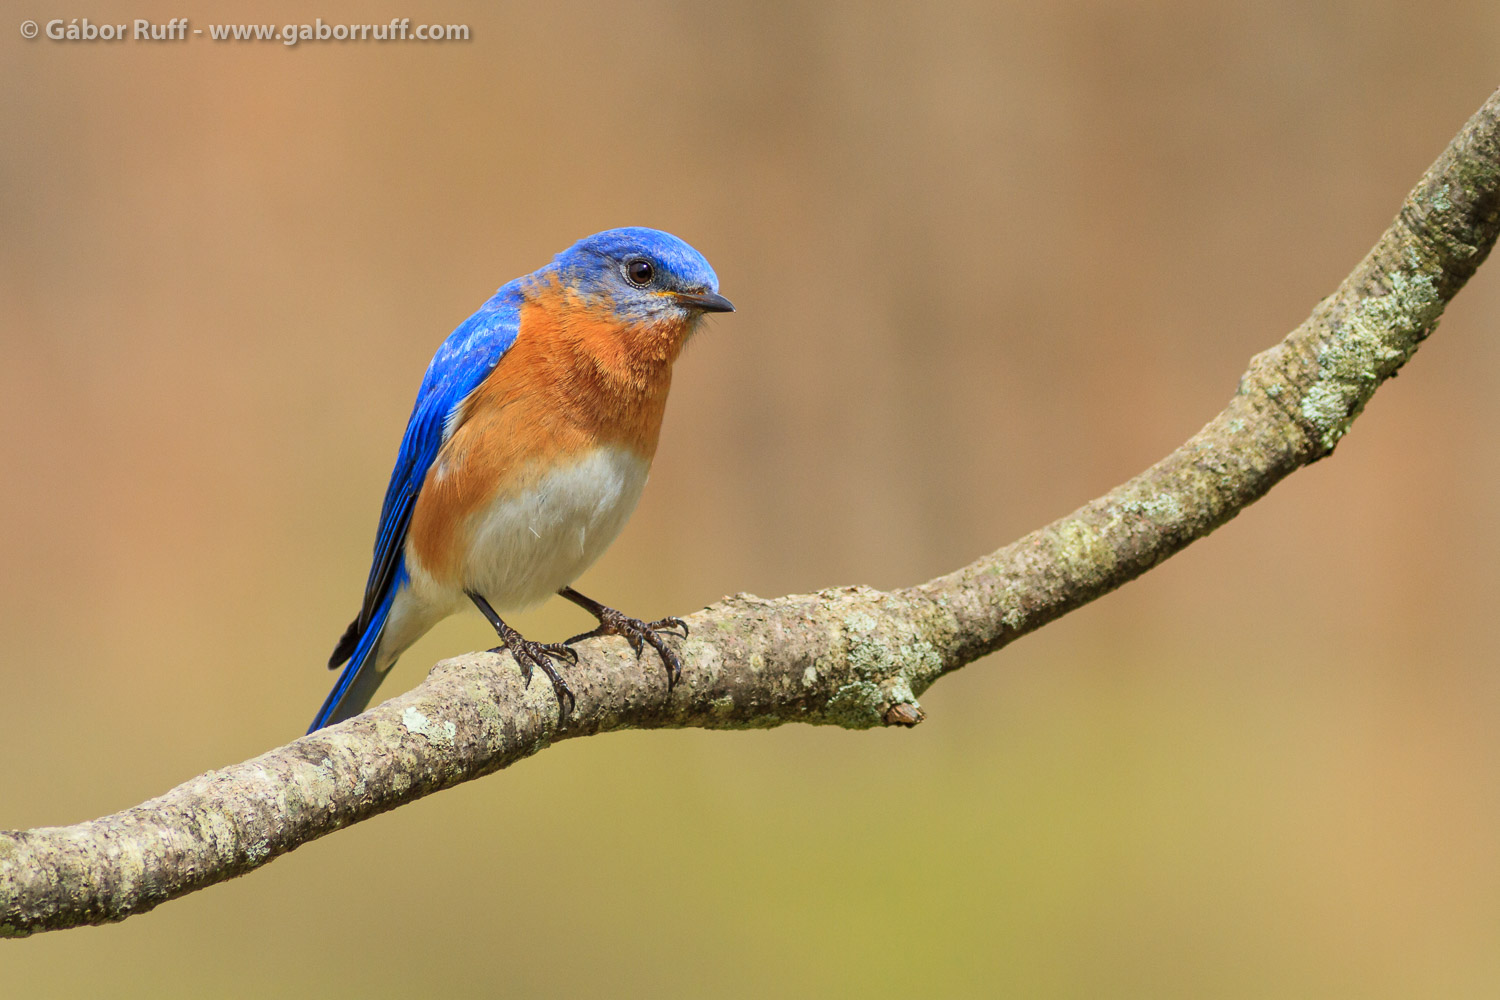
(852, 657)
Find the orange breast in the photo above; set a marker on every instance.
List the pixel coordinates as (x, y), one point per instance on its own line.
(575, 379)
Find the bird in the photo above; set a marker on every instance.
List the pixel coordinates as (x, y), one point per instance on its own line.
(526, 451)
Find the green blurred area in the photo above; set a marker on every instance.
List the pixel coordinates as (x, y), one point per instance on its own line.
(990, 260)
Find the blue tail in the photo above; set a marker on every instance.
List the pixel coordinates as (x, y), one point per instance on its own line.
(358, 681)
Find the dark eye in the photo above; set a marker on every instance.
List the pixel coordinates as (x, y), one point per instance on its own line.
(639, 271)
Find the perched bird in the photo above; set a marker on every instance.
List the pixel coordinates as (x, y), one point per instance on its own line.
(525, 454)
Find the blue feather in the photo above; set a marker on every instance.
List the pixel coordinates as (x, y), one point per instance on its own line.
(361, 656)
(464, 360)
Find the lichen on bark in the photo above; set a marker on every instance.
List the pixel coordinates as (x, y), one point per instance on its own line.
(852, 657)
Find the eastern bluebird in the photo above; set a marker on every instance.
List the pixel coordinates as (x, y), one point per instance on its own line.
(526, 451)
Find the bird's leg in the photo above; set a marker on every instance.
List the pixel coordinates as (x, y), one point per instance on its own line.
(527, 653)
(635, 631)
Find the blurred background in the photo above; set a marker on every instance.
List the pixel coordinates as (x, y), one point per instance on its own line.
(990, 260)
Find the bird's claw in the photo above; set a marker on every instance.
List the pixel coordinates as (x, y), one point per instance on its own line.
(528, 654)
(641, 634)
(667, 624)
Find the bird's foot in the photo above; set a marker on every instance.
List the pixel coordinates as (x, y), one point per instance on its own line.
(528, 654)
(640, 635)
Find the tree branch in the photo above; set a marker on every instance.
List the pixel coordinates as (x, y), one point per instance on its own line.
(852, 657)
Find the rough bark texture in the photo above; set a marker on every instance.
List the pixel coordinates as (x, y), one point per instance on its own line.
(852, 657)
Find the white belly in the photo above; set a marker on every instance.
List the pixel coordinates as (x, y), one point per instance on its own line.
(526, 547)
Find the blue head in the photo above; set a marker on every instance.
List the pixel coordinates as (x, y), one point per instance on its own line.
(645, 275)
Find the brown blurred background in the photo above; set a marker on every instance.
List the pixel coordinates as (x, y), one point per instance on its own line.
(990, 260)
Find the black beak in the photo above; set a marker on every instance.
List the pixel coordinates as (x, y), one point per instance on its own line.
(709, 302)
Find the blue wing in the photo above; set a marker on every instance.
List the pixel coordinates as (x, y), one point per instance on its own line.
(469, 354)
